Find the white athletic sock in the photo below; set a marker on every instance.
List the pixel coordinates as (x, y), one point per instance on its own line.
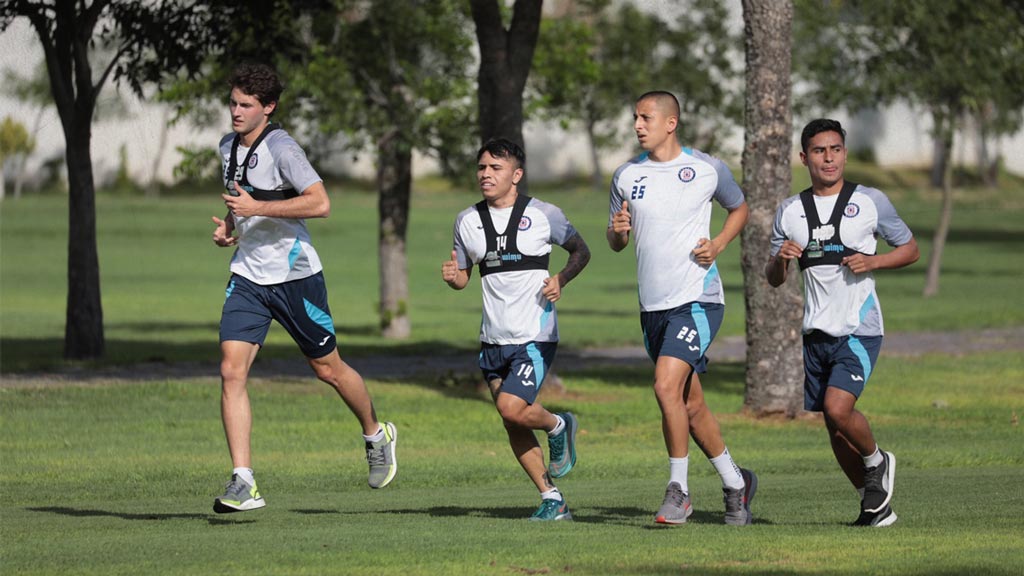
(559, 426)
(376, 437)
(728, 470)
(678, 469)
(245, 474)
(552, 494)
(874, 460)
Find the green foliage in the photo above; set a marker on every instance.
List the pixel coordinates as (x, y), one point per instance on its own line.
(198, 164)
(14, 139)
(395, 71)
(591, 65)
(942, 55)
(119, 477)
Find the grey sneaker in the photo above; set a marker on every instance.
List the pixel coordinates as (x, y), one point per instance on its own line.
(676, 508)
(238, 496)
(878, 484)
(562, 447)
(737, 502)
(886, 517)
(381, 457)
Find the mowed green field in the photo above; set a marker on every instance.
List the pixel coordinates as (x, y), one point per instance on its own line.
(163, 279)
(119, 478)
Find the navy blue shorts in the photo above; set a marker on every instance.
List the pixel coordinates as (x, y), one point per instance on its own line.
(844, 362)
(520, 367)
(684, 332)
(300, 306)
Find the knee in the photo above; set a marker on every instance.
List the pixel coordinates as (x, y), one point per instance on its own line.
(233, 376)
(667, 391)
(512, 416)
(326, 373)
(837, 415)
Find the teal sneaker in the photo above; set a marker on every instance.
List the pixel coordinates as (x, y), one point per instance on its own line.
(550, 510)
(381, 457)
(562, 447)
(239, 496)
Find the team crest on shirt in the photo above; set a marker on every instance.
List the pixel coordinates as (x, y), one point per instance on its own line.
(525, 223)
(851, 210)
(254, 160)
(687, 174)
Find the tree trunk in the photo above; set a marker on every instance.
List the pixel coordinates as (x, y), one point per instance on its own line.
(931, 284)
(83, 331)
(595, 160)
(394, 181)
(940, 152)
(505, 60)
(152, 186)
(774, 380)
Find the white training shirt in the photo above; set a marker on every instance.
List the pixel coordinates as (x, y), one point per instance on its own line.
(515, 311)
(670, 207)
(273, 250)
(837, 301)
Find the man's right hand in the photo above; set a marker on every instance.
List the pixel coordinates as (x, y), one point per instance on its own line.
(622, 222)
(450, 269)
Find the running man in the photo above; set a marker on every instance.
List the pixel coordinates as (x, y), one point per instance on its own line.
(831, 231)
(276, 275)
(509, 237)
(663, 197)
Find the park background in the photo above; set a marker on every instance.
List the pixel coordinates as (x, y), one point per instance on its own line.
(109, 465)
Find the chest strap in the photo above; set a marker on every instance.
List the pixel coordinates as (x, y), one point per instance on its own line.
(503, 253)
(825, 243)
(241, 174)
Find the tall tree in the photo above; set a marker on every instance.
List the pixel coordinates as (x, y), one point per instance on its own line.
(774, 365)
(144, 39)
(394, 76)
(506, 55)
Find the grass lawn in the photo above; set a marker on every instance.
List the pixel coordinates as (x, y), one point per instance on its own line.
(119, 478)
(163, 279)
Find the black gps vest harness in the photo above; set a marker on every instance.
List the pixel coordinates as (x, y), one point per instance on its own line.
(242, 177)
(503, 253)
(825, 244)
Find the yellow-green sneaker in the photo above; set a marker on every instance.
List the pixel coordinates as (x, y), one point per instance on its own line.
(239, 496)
(381, 457)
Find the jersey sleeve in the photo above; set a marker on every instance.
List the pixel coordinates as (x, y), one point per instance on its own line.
(614, 197)
(728, 194)
(561, 229)
(778, 229)
(292, 162)
(890, 226)
(459, 245)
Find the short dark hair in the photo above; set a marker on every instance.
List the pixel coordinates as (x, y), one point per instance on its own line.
(815, 127)
(663, 98)
(504, 148)
(257, 80)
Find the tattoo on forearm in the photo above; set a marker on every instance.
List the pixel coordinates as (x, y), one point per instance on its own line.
(579, 255)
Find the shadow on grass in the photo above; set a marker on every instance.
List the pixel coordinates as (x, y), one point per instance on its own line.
(92, 513)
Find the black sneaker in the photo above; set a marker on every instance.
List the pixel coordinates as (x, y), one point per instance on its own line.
(878, 484)
(886, 517)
